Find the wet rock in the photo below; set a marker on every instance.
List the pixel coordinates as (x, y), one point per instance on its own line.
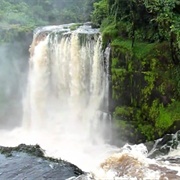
(149, 145)
(28, 162)
(165, 172)
(178, 135)
(164, 140)
(172, 160)
(87, 176)
(32, 150)
(164, 145)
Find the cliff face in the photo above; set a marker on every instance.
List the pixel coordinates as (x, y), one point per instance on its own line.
(145, 94)
(145, 65)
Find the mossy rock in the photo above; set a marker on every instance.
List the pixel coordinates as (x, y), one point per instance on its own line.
(30, 149)
(75, 26)
(143, 78)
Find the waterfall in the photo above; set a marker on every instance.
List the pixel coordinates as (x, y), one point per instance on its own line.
(67, 92)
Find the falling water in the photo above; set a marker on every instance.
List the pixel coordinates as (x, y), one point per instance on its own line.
(67, 93)
(67, 83)
(66, 107)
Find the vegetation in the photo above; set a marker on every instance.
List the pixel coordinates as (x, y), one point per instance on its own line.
(20, 16)
(145, 42)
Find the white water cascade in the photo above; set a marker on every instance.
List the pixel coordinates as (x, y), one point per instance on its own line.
(67, 83)
(66, 108)
(67, 93)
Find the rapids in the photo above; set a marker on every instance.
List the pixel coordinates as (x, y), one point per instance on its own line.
(66, 108)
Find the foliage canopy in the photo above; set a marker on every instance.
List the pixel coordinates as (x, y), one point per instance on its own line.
(25, 15)
(145, 40)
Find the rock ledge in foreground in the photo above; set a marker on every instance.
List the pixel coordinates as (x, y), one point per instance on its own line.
(28, 162)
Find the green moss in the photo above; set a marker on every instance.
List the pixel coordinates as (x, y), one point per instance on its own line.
(141, 79)
(150, 78)
(75, 26)
(118, 76)
(147, 130)
(144, 75)
(109, 33)
(120, 72)
(158, 119)
(163, 121)
(123, 112)
(142, 49)
(126, 44)
(167, 116)
(139, 50)
(114, 62)
(176, 76)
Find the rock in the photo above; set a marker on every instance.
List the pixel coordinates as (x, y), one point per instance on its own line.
(149, 145)
(32, 150)
(28, 162)
(173, 160)
(164, 145)
(164, 140)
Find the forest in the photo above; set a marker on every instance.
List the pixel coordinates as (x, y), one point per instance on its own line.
(18, 16)
(145, 64)
(144, 36)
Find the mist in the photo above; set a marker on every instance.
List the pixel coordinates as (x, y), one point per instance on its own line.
(13, 75)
